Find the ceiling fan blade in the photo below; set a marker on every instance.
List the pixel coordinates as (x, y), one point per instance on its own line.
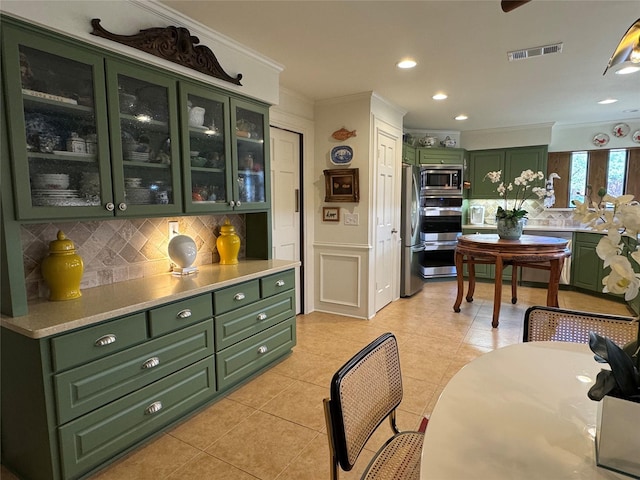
(508, 5)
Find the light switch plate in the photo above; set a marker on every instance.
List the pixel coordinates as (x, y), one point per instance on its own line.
(173, 229)
(351, 219)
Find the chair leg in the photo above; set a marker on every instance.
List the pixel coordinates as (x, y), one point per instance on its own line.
(333, 460)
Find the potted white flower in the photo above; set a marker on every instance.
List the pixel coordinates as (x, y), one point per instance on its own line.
(617, 390)
(510, 221)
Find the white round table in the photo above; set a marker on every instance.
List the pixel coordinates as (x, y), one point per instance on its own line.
(519, 412)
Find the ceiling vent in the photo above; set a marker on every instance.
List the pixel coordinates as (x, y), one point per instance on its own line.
(534, 52)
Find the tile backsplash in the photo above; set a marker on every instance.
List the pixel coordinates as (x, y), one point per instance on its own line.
(118, 250)
(537, 213)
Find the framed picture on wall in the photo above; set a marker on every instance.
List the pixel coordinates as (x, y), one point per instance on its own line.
(341, 185)
(330, 214)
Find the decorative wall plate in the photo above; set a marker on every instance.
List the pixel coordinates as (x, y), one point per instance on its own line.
(341, 155)
(621, 130)
(601, 139)
(636, 136)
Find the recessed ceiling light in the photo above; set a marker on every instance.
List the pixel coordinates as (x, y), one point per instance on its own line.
(407, 63)
(461, 117)
(627, 70)
(439, 96)
(607, 101)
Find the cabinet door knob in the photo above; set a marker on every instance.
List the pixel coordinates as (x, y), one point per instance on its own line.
(238, 203)
(262, 317)
(186, 313)
(280, 283)
(232, 203)
(105, 340)
(152, 362)
(239, 296)
(153, 408)
(263, 349)
(110, 207)
(122, 206)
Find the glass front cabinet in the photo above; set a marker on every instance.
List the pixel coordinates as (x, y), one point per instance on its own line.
(93, 136)
(55, 95)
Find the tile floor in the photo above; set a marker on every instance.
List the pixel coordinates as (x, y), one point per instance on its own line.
(273, 426)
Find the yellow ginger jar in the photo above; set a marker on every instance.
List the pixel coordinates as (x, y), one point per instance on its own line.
(62, 269)
(228, 244)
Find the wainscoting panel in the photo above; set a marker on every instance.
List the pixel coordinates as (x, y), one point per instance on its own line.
(340, 278)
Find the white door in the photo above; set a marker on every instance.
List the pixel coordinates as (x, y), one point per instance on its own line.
(385, 215)
(285, 199)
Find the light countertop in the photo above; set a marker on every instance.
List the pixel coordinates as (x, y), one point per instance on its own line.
(97, 304)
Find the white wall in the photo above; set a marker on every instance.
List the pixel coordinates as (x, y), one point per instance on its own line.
(126, 17)
(567, 138)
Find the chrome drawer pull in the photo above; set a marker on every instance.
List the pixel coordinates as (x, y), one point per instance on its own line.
(153, 408)
(263, 349)
(186, 313)
(238, 296)
(105, 340)
(152, 362)
(280, 283)
(261, 317)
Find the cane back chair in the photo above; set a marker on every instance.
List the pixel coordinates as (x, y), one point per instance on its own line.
(556, 324)
(365, 391)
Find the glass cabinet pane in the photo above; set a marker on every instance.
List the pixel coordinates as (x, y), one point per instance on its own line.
(60, 130)
(207, 150)
(145, 142)
(250, 155)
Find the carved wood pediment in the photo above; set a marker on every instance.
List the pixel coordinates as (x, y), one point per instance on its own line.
(175, 44)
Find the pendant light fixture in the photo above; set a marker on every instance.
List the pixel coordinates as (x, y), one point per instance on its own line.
(626, 57)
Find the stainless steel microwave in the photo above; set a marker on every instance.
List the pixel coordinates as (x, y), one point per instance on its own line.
(441, 180)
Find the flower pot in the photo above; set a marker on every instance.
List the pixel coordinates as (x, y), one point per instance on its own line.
(617, 439)
(509, 228)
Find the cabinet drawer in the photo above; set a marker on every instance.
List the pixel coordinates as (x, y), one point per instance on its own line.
(277, 283)
(97, 341)
(99, 435)
(231, 327)
(242, 359)
(178, 314)
(230, 298)
(93, 385)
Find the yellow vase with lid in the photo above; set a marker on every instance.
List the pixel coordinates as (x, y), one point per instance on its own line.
(62, 269)
(228, 244)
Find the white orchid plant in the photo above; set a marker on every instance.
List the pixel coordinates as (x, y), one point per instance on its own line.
(619, 250)
(528, 184)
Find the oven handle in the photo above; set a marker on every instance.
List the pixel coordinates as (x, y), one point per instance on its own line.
(449, 245)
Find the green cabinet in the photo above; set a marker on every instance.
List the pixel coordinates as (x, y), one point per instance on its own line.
(55, 92)
(587, 269)
(251, 141)
(435, 155)
(143, 126)
(408, 154)
(511, 162)
(73, 401)
(93, 134)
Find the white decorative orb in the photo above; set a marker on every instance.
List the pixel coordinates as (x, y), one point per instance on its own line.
(182, 250)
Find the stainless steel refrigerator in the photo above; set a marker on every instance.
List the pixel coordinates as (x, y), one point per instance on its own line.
(411, 280)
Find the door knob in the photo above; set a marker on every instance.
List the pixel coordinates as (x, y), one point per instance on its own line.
(393, 230)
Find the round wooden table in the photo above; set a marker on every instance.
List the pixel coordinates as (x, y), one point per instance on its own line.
(546, 253)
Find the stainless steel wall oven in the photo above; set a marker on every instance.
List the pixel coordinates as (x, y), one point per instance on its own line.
(440, 227)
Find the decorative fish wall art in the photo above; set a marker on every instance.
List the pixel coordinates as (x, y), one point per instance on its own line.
(343, 134)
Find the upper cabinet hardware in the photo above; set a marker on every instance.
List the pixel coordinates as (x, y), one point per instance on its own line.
(175, 44)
